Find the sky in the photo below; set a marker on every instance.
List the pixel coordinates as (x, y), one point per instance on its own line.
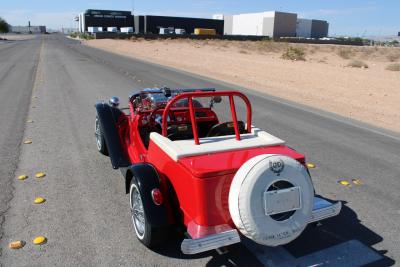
(346, 18)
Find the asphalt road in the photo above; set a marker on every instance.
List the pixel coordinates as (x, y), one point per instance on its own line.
(86, 216)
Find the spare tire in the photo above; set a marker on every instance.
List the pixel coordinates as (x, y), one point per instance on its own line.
(271, 199)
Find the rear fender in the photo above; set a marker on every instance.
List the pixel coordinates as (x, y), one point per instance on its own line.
(148, 179)
(108, 117)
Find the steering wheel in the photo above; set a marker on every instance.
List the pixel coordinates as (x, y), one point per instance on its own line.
(152, 119)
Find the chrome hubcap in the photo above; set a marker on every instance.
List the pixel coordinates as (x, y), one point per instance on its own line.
(137, 212)
(97, 133)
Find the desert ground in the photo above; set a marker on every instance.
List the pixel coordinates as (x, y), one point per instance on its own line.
(362, 83)
(16, 37)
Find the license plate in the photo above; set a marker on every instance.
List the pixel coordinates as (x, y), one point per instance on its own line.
(283, 200)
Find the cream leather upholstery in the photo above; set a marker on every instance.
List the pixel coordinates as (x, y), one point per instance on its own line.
(186, 148)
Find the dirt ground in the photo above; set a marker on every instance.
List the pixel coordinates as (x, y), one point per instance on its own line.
(16, 37)
(324, 80)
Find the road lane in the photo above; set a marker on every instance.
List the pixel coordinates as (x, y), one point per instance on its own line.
(18, 62)
(86, 216)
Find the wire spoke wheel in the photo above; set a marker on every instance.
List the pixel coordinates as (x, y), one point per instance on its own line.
(97, 133)
(137, 212)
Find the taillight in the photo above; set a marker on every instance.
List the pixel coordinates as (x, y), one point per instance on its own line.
(157, 196)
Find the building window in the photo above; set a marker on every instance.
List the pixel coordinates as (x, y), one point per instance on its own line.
(120, 17)
(98, 16)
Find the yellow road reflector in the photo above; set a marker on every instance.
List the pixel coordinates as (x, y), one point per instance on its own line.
(29, 121)
(310, 165)
(357, 181)
(27, 142)
(22, 177)
(344, 183)
(39, 200)
(40, 240)
(16, 244)
(40, 175)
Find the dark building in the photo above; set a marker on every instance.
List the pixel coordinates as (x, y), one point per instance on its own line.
(319, 28)
(104, 19)
(152, 24)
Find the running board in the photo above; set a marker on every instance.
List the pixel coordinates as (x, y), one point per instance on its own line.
(324, 209)
(194, 246)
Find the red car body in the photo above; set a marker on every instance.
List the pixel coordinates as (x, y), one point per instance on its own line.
(194, 188)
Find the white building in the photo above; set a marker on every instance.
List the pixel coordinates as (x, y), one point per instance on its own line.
(272, 24)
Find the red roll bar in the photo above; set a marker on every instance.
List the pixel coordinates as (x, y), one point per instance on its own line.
(192, 113)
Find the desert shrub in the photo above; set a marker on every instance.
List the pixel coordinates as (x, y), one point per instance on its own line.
(393, 57)
(358, 64)
(293, 53)
(243, 52)
(345, 53)
(393, 67)
(86, 36)
(270, 46)
(73, 34)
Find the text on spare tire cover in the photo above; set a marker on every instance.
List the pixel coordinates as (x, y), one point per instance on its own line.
(277, 166)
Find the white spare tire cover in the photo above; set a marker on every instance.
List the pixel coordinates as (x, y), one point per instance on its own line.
(247, 199)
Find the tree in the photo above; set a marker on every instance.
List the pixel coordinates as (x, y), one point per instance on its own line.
(3, 25)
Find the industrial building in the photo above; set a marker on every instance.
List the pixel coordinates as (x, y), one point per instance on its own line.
(312, 28)
(28, 29)
(153, 24)
(274, 24)
(105, 19)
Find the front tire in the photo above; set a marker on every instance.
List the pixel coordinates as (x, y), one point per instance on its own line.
(147, 234)
(100, 141)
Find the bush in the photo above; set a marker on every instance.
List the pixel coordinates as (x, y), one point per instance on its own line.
(4, 27)
(393, 67)
(293, 53)
(345, 53)
(86, 36)
(393, 57)
(358, 64)
(73, 34)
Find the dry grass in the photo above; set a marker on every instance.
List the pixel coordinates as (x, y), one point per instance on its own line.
(345, 53)
(393, 57)
(270, 46)
(294, 53)
(393, 67)
(358, 64)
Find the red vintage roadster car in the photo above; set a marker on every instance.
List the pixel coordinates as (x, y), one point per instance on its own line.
(220, 180)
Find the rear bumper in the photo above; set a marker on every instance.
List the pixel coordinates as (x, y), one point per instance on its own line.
(323, 209)
(194, 246)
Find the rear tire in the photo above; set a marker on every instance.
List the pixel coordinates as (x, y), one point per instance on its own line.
(100, 141)
(147, 234)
